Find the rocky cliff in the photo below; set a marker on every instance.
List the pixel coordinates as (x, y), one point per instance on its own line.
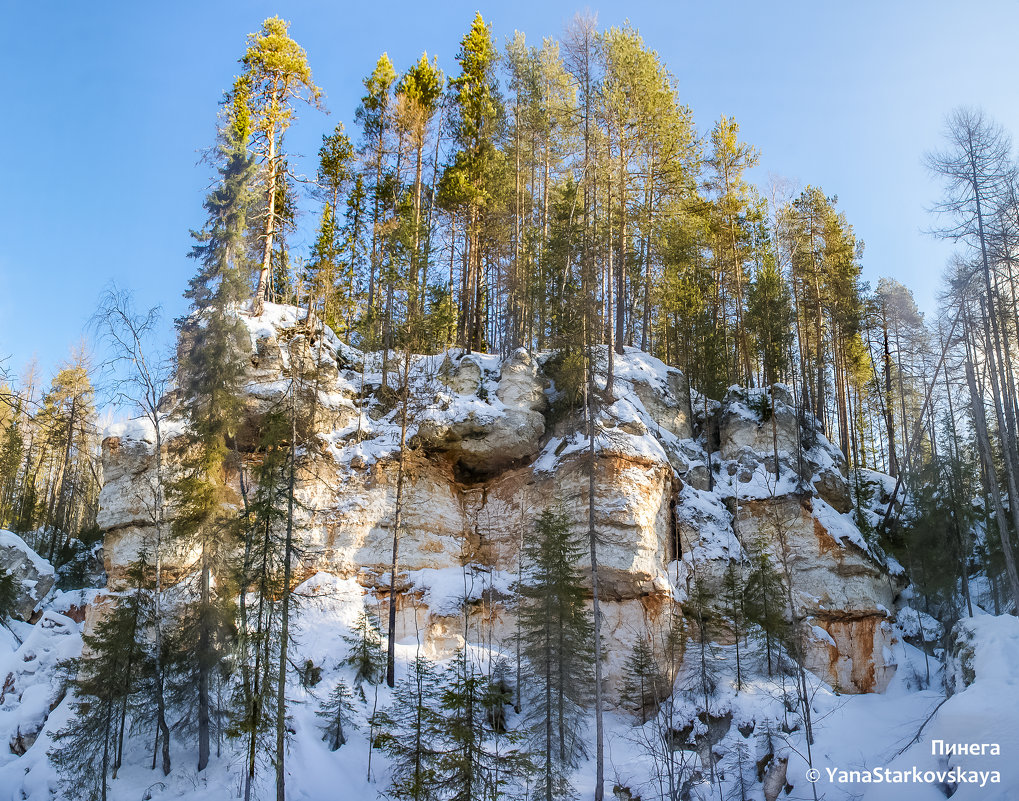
(685, 486)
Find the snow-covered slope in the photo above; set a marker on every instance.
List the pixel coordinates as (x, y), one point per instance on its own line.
(866, 733)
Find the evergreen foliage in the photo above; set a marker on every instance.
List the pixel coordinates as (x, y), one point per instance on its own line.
(364, 651)
(410, 732)
(111, 677)
(475, 761)
(557, 642)
(575, 210)
(337, 716)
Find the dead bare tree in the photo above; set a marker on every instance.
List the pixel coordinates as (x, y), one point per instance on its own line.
(139, 379)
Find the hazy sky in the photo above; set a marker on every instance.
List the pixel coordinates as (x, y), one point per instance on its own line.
(107, 107)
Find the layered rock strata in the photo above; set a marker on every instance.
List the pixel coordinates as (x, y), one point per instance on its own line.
(485, 457)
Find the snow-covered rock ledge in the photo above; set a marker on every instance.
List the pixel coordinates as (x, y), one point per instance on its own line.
(486, 457)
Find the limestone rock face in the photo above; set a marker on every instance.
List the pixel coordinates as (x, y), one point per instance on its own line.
(837, 587)
(126, 496)
(632, 517)
(482, 461)
(668, 403)
(33, 576)
(753, 424)
(742, 426)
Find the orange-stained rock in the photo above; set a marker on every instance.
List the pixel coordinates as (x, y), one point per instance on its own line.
(861, 659)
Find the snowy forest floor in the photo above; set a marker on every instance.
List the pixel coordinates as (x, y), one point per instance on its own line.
(852, 732)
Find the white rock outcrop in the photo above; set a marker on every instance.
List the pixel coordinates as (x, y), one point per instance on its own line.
(484, 460)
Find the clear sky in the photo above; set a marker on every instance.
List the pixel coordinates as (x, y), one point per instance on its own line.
(107, 107)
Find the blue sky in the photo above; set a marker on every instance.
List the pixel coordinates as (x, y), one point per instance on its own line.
(108, 106)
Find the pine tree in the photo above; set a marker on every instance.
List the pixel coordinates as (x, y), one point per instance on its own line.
(734, 210)
(418, 94)
(12, 452)
(375, 117)
(68, 415)
(275, 75)
(476, 118)
(335, 171)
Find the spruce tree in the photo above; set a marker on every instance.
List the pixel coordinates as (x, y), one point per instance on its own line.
(209, 376)
(141, 378)
(364, 653)
(410, 730)
(337, 716)
(643, 679)
(764, 595)
(556, 631)
(115, 666)
(471, 765)
(261, 587)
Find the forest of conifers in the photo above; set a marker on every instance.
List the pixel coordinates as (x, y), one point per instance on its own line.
(554, 197)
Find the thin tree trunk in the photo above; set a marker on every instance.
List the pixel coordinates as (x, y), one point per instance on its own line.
(984, 447)
(270, 223)
(281, 692)
(963, 539)
(599, 787)
(621, 271)
(397, 522)
(58, 484)
(204, 666)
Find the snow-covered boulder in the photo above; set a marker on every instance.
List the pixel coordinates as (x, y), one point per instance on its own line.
(33, 576)
(32, 683)
(488, 416)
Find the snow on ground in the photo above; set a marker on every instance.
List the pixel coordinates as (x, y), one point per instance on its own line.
(982, 712)
(853, 732)
(31, 685)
